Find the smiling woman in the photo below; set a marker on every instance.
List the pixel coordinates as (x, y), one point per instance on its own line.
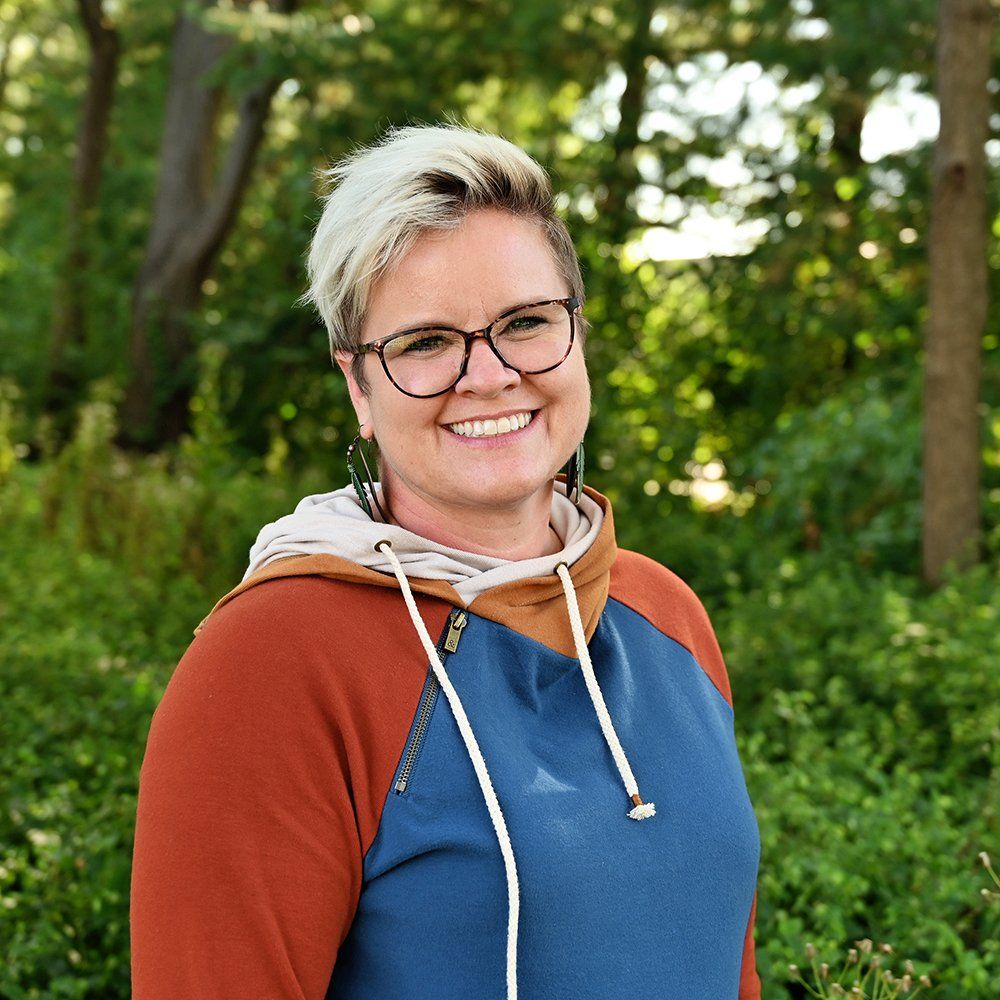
(332, 804)
(488, 491)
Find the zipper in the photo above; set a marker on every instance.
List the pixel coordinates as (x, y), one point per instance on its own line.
(448, 643)
(457, 620)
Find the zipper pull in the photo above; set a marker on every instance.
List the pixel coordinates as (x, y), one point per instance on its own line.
(458, 621)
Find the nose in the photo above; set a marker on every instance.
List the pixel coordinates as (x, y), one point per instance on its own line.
(485, 374)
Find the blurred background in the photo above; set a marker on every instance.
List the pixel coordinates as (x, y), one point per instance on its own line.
(787, 216)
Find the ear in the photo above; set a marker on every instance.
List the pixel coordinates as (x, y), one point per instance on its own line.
(358, 399)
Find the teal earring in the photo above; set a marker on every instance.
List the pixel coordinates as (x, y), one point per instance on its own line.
(358, 484)
(574, 475)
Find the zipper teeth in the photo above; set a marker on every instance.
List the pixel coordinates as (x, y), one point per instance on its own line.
(425, 711)
(418, 734)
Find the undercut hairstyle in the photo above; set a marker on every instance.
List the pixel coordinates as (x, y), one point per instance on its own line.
(414, 179)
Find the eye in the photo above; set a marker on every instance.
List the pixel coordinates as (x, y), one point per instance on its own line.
(420, 344)
(425, 343)
(534, 320)
(526, 322)
(525, 326)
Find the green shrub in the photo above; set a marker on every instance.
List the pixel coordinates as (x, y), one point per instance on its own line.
(869, 715)
(867, 709)
(112, 561)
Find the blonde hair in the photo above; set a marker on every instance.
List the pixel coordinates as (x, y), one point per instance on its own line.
(417, 178)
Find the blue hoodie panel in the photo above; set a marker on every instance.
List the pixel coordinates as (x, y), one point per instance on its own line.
(610, 907)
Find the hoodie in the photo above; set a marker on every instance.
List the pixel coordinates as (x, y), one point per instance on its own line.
(389, 769)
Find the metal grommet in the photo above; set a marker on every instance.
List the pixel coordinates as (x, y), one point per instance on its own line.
(384, 541)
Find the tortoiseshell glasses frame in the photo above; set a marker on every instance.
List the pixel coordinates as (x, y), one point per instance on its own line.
(571, 303)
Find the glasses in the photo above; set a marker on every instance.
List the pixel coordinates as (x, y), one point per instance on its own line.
(430, 360)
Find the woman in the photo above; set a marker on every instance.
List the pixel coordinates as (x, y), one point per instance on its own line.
(332, 804)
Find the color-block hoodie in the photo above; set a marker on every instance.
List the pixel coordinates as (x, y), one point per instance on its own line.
(333, 805)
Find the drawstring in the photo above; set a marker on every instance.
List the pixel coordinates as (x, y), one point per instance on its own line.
(499, 824)
(641, 810)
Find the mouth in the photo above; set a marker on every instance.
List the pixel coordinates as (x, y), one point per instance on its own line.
(492, 427)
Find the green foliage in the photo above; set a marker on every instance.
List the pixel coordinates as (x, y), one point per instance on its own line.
(868, 710)
(844, 476)
(78, 690)
(871, 714)
(193, 511)
(113, 560)
(756, 425)
(725, 346)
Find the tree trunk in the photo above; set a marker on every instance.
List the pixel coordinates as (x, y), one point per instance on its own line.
(621, 175)
(192, 215)
(957, 292)
(5, 63)
(69, 333)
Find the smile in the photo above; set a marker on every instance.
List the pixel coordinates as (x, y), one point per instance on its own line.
(491, 428)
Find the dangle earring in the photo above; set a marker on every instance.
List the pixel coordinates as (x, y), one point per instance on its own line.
(356, 482)
(574, 475)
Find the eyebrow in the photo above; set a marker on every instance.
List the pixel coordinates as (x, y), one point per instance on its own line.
(451, 326)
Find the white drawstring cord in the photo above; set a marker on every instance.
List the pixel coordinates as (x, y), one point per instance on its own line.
(641, 810)
(475, 754)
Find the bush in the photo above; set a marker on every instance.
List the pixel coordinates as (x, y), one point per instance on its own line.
(867, 709)
(112, 561)
(869, 717)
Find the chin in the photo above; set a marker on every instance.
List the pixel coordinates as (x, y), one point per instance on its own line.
(500, 490)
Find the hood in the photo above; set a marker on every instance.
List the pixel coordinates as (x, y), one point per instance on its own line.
(328, 534)
(335, 524)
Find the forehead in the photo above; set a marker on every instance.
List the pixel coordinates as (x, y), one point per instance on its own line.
(468, 275)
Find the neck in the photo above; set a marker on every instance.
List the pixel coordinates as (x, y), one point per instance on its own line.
(515, 533)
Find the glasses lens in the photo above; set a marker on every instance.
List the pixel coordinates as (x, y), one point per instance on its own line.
(426, 362)
(535, 338)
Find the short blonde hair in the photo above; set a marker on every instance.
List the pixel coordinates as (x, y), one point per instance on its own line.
(417, 178)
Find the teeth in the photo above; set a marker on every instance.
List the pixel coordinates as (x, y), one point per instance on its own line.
(491, 428)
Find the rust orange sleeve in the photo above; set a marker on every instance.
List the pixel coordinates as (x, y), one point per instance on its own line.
(668, 603)
(749, 980)
(266, 767)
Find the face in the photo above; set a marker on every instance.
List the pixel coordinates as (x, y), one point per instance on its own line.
(465, 278)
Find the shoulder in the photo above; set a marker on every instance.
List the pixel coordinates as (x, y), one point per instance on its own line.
(286, 605)
(631, 568)
(670, 605)
(654, 591)
(302, 654)
(294, 690)
(296, 619)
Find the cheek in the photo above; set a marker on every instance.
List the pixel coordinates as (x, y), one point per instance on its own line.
(401, 423)
(575, 390)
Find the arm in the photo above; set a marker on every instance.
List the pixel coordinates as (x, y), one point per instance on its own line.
(266, 767)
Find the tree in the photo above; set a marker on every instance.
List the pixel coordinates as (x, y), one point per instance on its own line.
(958, 291)
(195, 208)
(69, 311)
